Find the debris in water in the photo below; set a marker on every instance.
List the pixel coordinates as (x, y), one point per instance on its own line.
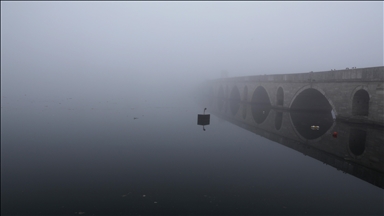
(313, 127)
(124, 195)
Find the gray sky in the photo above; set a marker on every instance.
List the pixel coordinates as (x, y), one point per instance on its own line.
(118, 49)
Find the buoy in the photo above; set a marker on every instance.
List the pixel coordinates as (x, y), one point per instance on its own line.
(203, 119)
(334, 134)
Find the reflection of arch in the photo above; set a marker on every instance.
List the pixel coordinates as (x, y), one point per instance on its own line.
(278, 120)
(357, 139)
(280, 97)
(261, 105)
(302, 122)
(360, 102)
(235, 100)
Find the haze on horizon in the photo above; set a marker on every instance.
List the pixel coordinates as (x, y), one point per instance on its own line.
(146, 50)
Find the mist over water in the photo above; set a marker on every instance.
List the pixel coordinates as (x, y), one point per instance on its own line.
(99, 107)
(104, 161)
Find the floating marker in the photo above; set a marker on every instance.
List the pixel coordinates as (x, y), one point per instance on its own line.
(203, 119)
(334, 134)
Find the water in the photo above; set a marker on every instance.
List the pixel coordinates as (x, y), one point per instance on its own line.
(109, 158)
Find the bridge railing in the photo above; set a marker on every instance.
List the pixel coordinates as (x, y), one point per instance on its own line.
(356, 74)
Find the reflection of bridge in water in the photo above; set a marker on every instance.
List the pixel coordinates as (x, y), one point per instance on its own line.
(283, 108)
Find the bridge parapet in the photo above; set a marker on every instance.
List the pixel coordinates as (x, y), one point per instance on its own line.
(370, 74)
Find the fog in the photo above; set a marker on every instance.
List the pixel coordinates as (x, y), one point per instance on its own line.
(98, 113)
(154, 51)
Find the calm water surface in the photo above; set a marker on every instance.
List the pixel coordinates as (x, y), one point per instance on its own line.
(107, 158)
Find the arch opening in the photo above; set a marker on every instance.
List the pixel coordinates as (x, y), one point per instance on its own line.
(311, 100)
(261, 105)
(226, 98)
(280, 97)
(360, 103)
(311, 108)
(245, 99)
(235, 100)
(245, 94)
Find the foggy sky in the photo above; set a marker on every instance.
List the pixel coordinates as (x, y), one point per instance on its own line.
(147, 49)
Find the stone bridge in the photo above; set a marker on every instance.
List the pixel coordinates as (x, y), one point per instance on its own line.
(283, 108)
(353, 95)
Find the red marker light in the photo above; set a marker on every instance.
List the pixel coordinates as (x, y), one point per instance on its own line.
(334, 134)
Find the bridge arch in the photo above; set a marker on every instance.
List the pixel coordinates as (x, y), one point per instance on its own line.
(280, 97)
(234, 100)
(226, 99)
(360, 101)
(245, 94)
(266, 96)
(261, 104)
(315, 88)
(245, 100)
(310, 107)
